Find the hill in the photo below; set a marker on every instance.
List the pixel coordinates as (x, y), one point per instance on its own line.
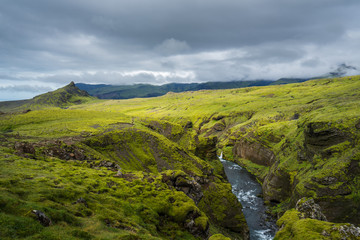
(104, 91)
(147, 168)
(63, 97)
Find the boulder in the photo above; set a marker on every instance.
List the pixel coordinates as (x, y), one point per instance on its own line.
(309, 209)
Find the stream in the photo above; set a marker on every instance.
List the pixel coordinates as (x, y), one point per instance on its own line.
(247, 190)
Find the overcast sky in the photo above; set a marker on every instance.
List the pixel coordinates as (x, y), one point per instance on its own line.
(45, 44)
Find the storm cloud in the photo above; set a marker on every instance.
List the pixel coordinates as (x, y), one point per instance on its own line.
(46, 44)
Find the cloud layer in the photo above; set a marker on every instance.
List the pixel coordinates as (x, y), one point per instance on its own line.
(46, 44)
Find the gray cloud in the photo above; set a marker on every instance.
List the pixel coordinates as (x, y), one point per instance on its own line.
(123, 42)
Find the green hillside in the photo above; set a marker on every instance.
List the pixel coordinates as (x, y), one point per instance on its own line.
(147, 168)
(63, 97)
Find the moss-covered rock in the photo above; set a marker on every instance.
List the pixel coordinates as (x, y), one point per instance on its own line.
(223, 208)
(218, 237)
(292, 226)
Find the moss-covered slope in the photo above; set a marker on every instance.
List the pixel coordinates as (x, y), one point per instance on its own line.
(63, 97)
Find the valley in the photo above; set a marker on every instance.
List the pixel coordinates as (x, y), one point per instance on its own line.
(147, 168)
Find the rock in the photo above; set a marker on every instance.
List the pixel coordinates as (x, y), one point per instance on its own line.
(254, 152)
(320, 135)
(24, 148)
(26, 111)
(309, 209)
(109, 165)
(42, 218)
(118, 174)
(328, 180)
(64, 151)
(276, 185)
(349, 231)
(182, 182)
(325, 233)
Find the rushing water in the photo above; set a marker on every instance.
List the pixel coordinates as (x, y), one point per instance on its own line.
(248, 190)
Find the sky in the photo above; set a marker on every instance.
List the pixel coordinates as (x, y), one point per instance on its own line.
(46, 44)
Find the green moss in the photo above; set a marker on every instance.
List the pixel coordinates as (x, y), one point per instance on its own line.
(292, 227)
(15, 227)
(222, 207)
(219, 237)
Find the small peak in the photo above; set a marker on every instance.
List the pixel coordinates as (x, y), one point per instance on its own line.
(72, 84)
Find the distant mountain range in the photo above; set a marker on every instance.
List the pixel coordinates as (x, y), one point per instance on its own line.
(104, 91)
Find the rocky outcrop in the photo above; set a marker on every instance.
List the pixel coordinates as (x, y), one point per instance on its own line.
(181, 182)
(254, 151)
(65, 152)
(308, 220)
(319, 136)
(309, 209)
(348, 231)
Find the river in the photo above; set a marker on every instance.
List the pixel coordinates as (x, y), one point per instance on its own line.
(248, 191)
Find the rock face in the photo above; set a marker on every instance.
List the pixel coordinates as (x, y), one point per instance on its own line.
(276, 185)
(309, 209)
(319, 136)
(254, 152)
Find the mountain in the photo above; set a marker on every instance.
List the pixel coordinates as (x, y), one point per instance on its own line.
(63, 97)
(103, 91)
(342, 70)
